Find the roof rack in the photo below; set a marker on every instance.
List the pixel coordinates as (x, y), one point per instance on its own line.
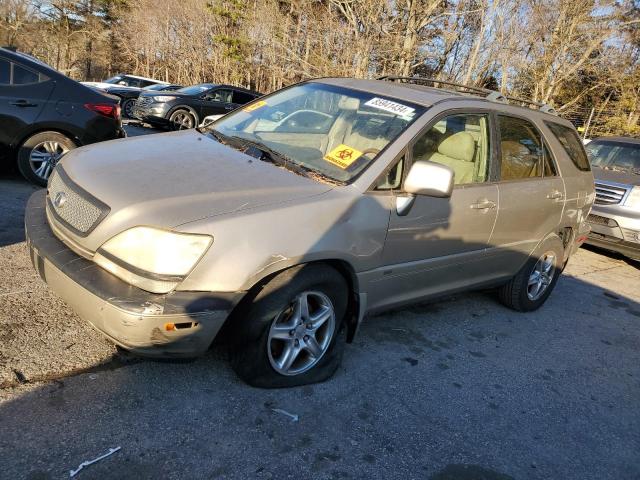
(491, 95)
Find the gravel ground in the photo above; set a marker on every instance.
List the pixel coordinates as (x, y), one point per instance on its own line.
(459, 389)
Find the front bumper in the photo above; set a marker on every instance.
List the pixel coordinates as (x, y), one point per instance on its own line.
(152, 113)
(132, 318)
(615, 228)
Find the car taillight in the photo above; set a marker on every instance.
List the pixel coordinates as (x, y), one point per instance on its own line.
(105, 109)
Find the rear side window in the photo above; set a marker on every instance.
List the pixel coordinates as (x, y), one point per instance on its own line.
(522, 151)
(22, 76)
(572, 144)
(5, 72)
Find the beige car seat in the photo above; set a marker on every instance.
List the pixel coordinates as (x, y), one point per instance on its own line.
(517, 161)
(458, 153)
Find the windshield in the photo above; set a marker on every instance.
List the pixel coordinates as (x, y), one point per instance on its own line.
(196, 89)
(614, 155)
(334, 131)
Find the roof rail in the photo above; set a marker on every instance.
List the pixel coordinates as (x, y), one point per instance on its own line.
(491, 95)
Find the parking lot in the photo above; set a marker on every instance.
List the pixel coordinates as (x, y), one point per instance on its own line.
(458, 389)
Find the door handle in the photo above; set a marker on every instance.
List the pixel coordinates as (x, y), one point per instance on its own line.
(483, 205)
(23, 103)
(555, 195)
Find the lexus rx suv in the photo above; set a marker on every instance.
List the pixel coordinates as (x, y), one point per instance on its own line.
(285, 222)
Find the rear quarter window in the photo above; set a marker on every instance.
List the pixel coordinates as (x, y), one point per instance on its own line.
(572, 144)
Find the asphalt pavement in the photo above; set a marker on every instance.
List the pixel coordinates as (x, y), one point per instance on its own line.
(460, 389)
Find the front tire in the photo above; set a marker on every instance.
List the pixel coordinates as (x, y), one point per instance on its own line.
(127, 107)
(183, 119)
(291, 331)
(40, 153)
(535, 281)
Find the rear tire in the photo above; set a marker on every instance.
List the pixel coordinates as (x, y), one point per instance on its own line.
(269, 327)
(40, 153)
(535, 281)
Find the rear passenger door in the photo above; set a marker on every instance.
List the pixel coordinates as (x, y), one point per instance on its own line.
(23, 94)
(439, 244)
(531, 192)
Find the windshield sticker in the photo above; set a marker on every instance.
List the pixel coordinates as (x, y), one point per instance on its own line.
(254, 106)
(392, 107)
(343, 156)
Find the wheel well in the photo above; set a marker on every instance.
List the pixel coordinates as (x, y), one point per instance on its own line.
(227, 333)
(61, 131)
(184, 107)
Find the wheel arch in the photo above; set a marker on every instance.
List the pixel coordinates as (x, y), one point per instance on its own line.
(42, 129)
(344, 268)
(182, 106)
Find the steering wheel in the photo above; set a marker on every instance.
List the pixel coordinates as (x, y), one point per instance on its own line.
(373, 151)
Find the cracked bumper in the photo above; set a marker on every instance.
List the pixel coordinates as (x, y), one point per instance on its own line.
(132, 318)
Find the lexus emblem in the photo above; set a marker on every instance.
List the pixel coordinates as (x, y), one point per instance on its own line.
(60, 199)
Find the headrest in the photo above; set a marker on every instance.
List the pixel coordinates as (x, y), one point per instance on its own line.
(348, 103)
(460, 146)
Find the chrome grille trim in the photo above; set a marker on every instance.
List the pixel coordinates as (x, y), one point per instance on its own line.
(81, 212)
(610, 193)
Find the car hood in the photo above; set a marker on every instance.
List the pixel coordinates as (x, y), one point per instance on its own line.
(627, 178)
(170, 179)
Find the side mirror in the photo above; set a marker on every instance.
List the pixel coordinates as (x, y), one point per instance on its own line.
(429, 179)
(425, 178)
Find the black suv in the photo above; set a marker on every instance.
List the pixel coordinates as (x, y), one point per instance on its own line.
(185, 108)
(44, 114)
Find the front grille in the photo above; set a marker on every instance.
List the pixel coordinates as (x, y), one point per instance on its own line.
(75, 208)
(144, 101)
(609, 194)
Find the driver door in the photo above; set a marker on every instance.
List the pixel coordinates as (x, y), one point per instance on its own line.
(217, 101)
(440, 244)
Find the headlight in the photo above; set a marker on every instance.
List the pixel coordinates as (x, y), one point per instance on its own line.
(633, 199)
(152, 259)
(164, 98)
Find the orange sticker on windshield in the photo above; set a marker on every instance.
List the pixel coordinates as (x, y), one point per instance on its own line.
(254, 106)
(343, 156)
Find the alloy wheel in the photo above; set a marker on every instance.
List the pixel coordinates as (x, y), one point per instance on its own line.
(541, 276)
(301, 334)
(44, 156)
(182, 120)
(127, 108)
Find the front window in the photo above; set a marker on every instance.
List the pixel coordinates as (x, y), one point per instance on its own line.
(615, 155)
(461, 142)
(332, 131)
